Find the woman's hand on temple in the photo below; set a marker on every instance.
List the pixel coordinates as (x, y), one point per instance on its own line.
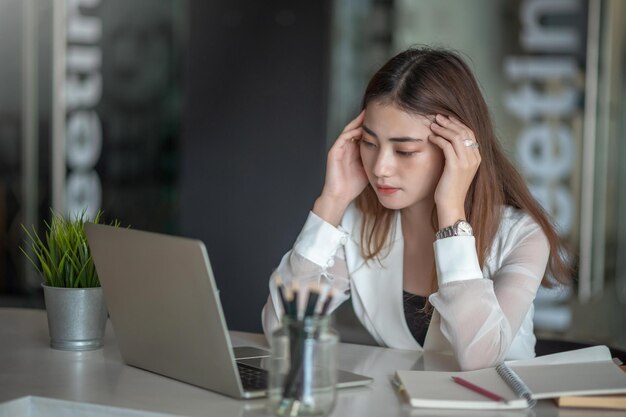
(462, 159)
(345, 176)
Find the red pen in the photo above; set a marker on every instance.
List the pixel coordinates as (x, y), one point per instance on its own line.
(478, 389)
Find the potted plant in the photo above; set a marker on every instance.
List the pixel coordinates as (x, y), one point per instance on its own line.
(74, 300)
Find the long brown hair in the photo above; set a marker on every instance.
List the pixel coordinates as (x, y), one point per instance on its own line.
(431, 81)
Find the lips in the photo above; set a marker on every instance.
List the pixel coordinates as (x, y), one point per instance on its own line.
(383, 189)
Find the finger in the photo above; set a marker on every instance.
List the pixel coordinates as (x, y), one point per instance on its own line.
(446, 128)
(453, 130)
(352, 136)
(446, 146)
(451, 156)
(448, 123)
(457, 122)
(461, 134)
(348, 137)
(453, 137)
(443, 131)
(471, 153)
(464, 131)
(466, 134)
(452, 123)
(357, 121)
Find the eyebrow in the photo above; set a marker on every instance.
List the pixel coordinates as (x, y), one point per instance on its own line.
(400, 139)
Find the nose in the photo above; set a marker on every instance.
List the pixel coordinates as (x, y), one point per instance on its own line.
(384, 165)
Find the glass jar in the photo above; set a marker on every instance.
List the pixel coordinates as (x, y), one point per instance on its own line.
(303, 368)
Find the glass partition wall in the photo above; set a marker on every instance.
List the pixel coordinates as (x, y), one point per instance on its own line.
(92, 92)
(25, 33)
(600, 310)
(552, 73)
(90, 109)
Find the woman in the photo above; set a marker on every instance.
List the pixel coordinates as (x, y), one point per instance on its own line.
(425, 223)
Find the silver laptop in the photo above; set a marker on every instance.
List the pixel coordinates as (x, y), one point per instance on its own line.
(167, 316)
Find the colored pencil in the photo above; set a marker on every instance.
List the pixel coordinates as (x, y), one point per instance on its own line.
(477, 389)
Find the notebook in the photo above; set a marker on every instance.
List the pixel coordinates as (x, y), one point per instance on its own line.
(520, 383)
(609, 402)
(167, 315)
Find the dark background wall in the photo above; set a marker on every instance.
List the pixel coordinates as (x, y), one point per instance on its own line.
(253, 146)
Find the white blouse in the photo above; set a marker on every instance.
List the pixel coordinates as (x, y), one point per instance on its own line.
(482, 317)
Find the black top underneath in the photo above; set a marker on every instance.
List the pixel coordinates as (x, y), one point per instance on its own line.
(416, 318)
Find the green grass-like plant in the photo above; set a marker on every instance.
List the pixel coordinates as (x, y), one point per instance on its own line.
(64, 259)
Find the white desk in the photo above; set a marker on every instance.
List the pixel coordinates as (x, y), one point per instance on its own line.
(28, 366)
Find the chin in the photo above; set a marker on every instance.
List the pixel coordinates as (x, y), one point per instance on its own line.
(392, 205)
(402, 202)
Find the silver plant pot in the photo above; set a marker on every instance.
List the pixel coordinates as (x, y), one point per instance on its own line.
(76, 317)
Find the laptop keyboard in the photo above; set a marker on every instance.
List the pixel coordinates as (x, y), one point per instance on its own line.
(252, 378)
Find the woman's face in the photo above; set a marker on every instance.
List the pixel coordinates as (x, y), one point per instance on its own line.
(402, 165)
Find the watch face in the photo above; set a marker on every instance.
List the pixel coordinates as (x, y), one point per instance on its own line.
(464, 229)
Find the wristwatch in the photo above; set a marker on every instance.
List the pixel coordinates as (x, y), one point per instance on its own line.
(460, 228)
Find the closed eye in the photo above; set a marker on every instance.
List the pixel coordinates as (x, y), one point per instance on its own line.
(367, 144)
(406, 153)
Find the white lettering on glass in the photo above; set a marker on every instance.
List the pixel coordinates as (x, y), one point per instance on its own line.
(546, 99)
(82, 94)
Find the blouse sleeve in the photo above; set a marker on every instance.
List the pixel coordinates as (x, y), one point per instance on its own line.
(480, 317)
(317, 257)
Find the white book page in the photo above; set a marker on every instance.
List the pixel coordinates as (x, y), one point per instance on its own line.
(432, 389)
(562, 380)
(589, 370)
(590, 354)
